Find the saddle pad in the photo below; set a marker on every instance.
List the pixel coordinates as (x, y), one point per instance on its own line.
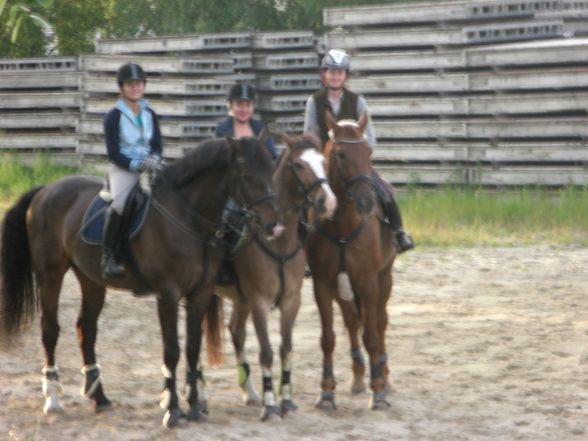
(93, 221)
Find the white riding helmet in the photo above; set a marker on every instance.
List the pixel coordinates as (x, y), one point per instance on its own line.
(336, 59)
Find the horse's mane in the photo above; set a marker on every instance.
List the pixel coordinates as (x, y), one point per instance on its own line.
(212, 154)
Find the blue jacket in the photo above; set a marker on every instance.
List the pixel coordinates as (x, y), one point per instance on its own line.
(127, 142)
(226, 128)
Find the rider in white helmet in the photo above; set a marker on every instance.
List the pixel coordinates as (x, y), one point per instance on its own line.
(344, 104)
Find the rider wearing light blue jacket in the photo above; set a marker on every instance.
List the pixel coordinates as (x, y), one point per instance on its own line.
(133, 143)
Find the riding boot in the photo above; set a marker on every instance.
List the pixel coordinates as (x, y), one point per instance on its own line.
(392, 215)
(111, 268)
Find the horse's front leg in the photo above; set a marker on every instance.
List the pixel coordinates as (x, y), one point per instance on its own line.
(323, 293)
(167, 304)
(289, 310)
(260, 312)
(194, 389)
(92, 303)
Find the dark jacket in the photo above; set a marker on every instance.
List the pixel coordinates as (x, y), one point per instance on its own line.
(226, 128)
(348, 109)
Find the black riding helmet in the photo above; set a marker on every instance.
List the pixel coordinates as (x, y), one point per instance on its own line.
(241, 92)
(129, 72)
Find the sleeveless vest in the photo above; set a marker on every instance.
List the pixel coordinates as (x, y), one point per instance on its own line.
(348, 109)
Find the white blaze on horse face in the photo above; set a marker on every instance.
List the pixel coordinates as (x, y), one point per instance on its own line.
(316, 161)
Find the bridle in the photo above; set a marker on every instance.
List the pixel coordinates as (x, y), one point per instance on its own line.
(348, 184)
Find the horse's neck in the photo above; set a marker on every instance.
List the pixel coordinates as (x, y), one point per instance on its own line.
(206, 197)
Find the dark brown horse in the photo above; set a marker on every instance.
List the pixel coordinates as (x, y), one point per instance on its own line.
(351, 259)
(175, 251)
(270, 273)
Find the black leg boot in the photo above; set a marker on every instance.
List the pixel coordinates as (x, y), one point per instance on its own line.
(111, 268)
(392, 215)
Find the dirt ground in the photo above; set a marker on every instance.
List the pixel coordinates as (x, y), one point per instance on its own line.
(484, 343)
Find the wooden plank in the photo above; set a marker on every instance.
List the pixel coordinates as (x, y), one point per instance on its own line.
(283, 40)
(173, 128)
(286, 61)
(192, 107)
(471, 151)
(190, 42)
(33, 141)
(67, 158)
(283, 103)
(530, 103)
(97, 148)
(423, 174)
(41, 100)
(38, 120)
(40, 64)
(209, 65)
(548, 52)
(498, 128)
(504, 175)
(508, 80)
(407, 60)
(40, 80)
(212, 86)
(445, 36)
(289, 82)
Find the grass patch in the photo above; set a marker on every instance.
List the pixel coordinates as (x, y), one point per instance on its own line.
(477, 216)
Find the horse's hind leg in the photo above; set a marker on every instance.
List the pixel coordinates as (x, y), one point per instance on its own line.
(351, 319)
(289, 310)
(92, 303)
(239, 316)
(49, 286)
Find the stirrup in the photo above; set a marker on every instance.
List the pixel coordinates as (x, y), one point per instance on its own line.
(113, 269)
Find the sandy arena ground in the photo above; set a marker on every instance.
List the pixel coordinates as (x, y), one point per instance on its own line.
(484, 344)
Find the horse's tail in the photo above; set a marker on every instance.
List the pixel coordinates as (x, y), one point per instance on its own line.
(18, 301)
(214, 331)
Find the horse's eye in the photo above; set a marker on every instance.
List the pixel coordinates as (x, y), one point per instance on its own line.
(341, 156)
(298, 166)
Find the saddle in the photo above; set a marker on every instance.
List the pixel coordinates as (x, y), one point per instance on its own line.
(134, 215)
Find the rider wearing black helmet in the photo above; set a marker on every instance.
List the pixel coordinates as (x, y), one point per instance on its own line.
(240, 122)
(133, 142)
(344, 104)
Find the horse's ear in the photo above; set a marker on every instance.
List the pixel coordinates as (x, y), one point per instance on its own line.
(363, 120)
(263, 134)
(283, 138)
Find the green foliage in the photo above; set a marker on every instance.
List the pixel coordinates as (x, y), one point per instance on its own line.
(23, 27)
(16, 178)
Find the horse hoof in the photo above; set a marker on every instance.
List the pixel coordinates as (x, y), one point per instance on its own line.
(326, 401)
(270, 412)
(52, 407)
(378, 400)
(288, 406)
(204, 406)
(103, 407)
(357, 388)
(172, 418)
(197, 413)
(252, 402)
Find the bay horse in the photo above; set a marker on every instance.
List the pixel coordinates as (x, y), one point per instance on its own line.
(270, 273)
(177, 253)
(351, 258)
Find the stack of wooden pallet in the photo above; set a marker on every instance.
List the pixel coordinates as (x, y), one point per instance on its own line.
(188, 80)
(489, 92)
(40, 102)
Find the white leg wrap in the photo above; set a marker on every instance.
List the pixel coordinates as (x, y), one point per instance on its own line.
(166, 393)
(51, 391)
(200, 387)
(95, 383)
(249, 393)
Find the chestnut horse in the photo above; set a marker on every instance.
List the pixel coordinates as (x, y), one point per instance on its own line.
(270, 273)
(177, 253)
(351, 259)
